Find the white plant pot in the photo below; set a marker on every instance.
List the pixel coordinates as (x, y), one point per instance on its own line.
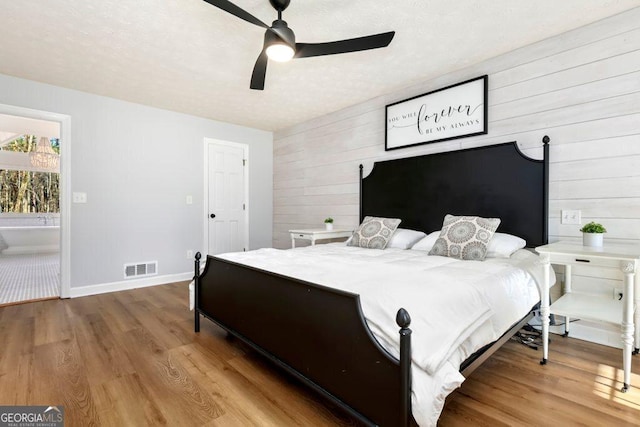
(328, 226)
(592, 239)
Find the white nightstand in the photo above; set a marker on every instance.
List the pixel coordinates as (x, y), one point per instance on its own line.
(625, 258)
(318, 234)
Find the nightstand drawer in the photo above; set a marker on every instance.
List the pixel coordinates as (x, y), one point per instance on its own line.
(579, 259)
(314, 235)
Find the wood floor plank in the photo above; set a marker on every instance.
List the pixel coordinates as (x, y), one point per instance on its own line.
(61, 362)
(115, 313)
(464, 411)
(52, 322)
(198, 364)
(79, 307)
(153, 320)
(213, 338)
(557, 409)
(16, 311)
(132, 358)
(558, 392)
(279, 388)
(22, 373)
(17, 336)
(174, 390)
(176, 297)
(16, 358)
(100, 352)
(126, 401)
(228, 382)
(572, 383)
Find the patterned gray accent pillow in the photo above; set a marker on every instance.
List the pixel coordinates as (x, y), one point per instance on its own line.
(465, 237)
(374, 232)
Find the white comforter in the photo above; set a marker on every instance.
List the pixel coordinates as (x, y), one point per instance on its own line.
(456, 307)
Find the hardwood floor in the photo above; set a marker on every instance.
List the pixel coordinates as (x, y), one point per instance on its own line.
(132, 358)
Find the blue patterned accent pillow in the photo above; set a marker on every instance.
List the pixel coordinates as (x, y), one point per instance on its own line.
(465, 237)
(374, 232)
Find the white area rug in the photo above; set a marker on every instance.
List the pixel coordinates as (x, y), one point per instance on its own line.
(27, 277)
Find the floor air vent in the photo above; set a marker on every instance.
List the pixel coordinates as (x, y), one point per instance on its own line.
(140, 269)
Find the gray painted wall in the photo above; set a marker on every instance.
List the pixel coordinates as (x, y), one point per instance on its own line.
(581, 88)
(137, 164)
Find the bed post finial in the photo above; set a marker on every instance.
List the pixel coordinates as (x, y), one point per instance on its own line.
(196, 299)
(546, 139)
(404, 320)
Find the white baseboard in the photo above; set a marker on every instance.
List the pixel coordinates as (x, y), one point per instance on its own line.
(28, 250)
(125, 285)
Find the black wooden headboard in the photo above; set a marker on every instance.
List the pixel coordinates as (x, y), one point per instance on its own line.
(496, 181)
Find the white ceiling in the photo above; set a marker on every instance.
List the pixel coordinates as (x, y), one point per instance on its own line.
(188, 56)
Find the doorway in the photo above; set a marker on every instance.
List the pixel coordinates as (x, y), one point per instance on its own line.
(226, 191)
(34, 220)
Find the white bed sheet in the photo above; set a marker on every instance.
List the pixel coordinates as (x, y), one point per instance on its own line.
(474, 303)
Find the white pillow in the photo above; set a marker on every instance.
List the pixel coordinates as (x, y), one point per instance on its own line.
(502, 245)
(427, 242)
(404, 238)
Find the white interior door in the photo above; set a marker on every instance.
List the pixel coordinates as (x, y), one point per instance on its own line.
(226, 197)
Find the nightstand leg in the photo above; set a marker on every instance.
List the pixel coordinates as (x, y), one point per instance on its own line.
(636, 323)
(627, 322)
(567, 290)
(544, 307)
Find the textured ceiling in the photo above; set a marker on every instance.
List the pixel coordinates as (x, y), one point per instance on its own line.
(187, 56)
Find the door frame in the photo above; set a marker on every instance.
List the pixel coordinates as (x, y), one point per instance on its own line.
(65, 185)
(245, 149)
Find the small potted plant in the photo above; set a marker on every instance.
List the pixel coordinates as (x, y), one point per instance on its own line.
(328, 223)
(592, 234)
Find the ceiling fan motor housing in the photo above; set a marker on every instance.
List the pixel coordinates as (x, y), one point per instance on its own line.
(284, 33)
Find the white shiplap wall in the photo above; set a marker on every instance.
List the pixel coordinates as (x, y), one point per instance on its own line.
(581, 88)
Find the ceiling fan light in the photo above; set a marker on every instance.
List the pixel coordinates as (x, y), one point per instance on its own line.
(280, 52)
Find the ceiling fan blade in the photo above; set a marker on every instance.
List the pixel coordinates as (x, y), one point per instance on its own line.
(231, 8)
(259, 71)
(305, 50)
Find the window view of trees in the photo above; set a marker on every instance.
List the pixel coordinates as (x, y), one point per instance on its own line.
(29, 192)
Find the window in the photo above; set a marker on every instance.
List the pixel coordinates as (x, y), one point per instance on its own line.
(23, 191)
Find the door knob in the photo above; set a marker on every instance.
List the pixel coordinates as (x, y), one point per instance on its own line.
(212, 215)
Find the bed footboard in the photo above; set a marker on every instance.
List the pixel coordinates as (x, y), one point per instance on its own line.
(316, 333)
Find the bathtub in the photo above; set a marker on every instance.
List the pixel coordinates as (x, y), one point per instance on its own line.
(29, 239)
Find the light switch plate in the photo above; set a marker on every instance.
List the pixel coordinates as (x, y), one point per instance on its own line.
(570, 216)
(79, 197)
(189, 200)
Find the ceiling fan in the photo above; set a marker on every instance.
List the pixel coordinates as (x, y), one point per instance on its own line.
(280, 41)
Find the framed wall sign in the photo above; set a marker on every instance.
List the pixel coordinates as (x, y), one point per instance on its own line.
(456, 111)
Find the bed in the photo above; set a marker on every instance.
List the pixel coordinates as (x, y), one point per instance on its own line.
(315, 328)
